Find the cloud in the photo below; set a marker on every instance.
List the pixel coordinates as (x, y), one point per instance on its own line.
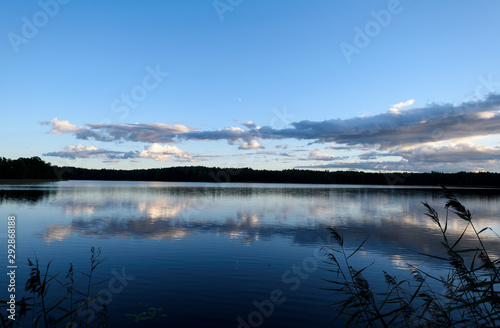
(374, 154)
(450, 154)
(320, 156)
(80, 151)
(156, 152)
(271, 153)
(412, 135)
(60, 127)
(438, 157)
(362, 166)
(410, 127)
(165, 152)
(485, 115)
(139, 132)
(404, 104)
(111, 161)
(414, 126)
(253, 144)
(250, 124)
(396, 107)
(265, 152)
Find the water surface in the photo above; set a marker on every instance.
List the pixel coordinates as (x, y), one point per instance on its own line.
(213, 255)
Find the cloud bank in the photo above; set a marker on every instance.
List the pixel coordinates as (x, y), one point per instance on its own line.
(432, 123)
(157, 152)
(411, 134)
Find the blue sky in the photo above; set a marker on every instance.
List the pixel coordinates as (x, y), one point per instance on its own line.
(366, 85)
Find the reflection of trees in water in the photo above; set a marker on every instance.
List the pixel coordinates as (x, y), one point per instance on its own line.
(25, 196)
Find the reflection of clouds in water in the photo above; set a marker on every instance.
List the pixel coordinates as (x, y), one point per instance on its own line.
(56, 232)
(274, 206)
(246, 227)
(164, 208)
(142, 228)
(79, 209)
(392, 218)
(250, 219)
(231, 234)
(155, 204)
(399, 262)
(242, 235)
(172, 234)
(356, 204)
(424, 222)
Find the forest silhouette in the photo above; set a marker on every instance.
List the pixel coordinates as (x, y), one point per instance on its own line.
(35, 168)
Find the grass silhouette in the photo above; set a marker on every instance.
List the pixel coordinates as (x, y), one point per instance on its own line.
(65, 311)
(468, 296)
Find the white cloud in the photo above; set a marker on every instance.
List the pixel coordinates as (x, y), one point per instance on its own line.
(60, 127)
(253, 144)
(80, 148)
(320, 156)
(486, 115)
(81, 151)
(404, 104)
(164, 153)
(396, 107)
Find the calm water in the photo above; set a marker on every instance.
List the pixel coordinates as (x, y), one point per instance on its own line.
(214, 255)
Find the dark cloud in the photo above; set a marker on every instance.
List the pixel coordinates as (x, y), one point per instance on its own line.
(450, 154)
(394, 128)
(374, 154)
(444, 158)
(140, 132)
(406, 127)
(363, 166)
(409, 134)
(73, 152)
(157, 152)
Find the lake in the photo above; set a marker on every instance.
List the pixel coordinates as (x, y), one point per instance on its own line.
(224, 255)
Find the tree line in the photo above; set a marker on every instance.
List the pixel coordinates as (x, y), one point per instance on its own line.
(27, 168)
(36, 168)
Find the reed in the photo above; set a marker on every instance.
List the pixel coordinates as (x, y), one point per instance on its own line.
(468, 295)
(47, 310)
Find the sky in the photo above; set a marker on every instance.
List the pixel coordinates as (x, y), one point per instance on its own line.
(378, 86)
